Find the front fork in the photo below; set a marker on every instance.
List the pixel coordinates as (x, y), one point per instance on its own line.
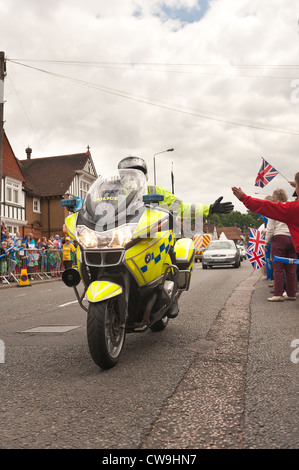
(105, 289)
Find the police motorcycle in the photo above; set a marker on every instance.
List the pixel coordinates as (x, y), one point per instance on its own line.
(131, 264)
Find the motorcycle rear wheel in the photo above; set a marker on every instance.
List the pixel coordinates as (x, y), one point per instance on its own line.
(105, 336)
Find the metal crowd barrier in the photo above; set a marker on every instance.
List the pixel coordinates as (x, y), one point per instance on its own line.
(40, 264)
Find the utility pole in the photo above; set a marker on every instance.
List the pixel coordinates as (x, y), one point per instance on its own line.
(172, 180)
(2, 75)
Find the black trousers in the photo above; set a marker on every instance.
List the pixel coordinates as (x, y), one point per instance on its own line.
(67, 264)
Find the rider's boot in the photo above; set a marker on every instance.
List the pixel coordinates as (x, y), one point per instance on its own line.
(174, 310)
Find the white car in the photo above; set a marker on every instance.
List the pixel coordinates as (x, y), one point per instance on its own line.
(221, 252)
(242, 252)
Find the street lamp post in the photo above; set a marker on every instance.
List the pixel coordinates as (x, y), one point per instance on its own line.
(164, 151)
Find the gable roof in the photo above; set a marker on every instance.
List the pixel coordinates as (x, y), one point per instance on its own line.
(10, 165)
(231, 233)
(52, 176)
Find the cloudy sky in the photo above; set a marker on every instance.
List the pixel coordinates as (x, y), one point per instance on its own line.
(217, 80)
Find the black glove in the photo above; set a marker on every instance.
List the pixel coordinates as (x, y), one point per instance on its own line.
(221, 208)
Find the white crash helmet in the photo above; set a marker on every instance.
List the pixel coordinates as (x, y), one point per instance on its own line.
(134, 163)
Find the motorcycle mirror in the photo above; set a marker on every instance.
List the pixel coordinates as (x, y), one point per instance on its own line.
(71, 277)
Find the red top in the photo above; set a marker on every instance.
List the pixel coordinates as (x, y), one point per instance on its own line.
(287, 212)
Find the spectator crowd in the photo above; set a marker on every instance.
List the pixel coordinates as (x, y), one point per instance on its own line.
(45, 257)
(282, 232)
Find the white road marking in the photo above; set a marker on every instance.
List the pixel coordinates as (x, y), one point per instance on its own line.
(51, 329)
(68, 303)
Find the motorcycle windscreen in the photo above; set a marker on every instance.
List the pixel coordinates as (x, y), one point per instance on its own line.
(114, 199)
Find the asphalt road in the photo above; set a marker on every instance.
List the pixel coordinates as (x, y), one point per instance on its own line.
(221, 375)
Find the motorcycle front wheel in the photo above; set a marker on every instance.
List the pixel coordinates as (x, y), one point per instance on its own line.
(105, 335)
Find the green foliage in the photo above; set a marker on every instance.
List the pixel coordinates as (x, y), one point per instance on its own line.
(228, 220)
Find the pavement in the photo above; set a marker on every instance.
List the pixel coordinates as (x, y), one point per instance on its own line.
(5, 285)
(242, 386)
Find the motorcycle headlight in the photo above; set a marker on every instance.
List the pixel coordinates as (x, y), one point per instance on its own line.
(123, 235)
(87, 238)
(115, 238)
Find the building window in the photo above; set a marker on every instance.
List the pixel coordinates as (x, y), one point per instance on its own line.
(36, 205)
(13, 192)
(84, 187)
(13, 230)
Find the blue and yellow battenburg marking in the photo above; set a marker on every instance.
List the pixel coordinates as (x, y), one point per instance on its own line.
(151, 256)
(148, 259)
(102, 290)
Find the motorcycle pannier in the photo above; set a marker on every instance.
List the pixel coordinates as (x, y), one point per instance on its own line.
(184, 252)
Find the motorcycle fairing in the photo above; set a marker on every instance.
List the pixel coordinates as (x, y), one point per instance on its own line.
(70, 223)
(102, 290)
(79, 261)
(148, 259)
(151, 222)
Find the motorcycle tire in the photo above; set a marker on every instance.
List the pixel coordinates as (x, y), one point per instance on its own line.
(160, 324)
(105, 336)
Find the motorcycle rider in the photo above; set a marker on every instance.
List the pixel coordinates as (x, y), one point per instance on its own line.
(184, 210)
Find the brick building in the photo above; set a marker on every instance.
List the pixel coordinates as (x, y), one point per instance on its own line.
(13, 196)
(42, 184)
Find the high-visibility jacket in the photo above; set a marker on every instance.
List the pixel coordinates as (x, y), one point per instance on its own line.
(183, 209)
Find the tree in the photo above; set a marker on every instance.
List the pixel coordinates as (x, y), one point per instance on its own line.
(228, 220)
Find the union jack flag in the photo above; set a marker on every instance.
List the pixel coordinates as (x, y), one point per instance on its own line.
(265, 175)
(256, 259)
(256, 241)
(256, 248)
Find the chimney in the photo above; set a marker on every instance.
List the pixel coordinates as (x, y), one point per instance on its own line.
(28, 151)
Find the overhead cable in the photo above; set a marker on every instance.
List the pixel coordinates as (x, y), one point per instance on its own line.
(176, 108)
